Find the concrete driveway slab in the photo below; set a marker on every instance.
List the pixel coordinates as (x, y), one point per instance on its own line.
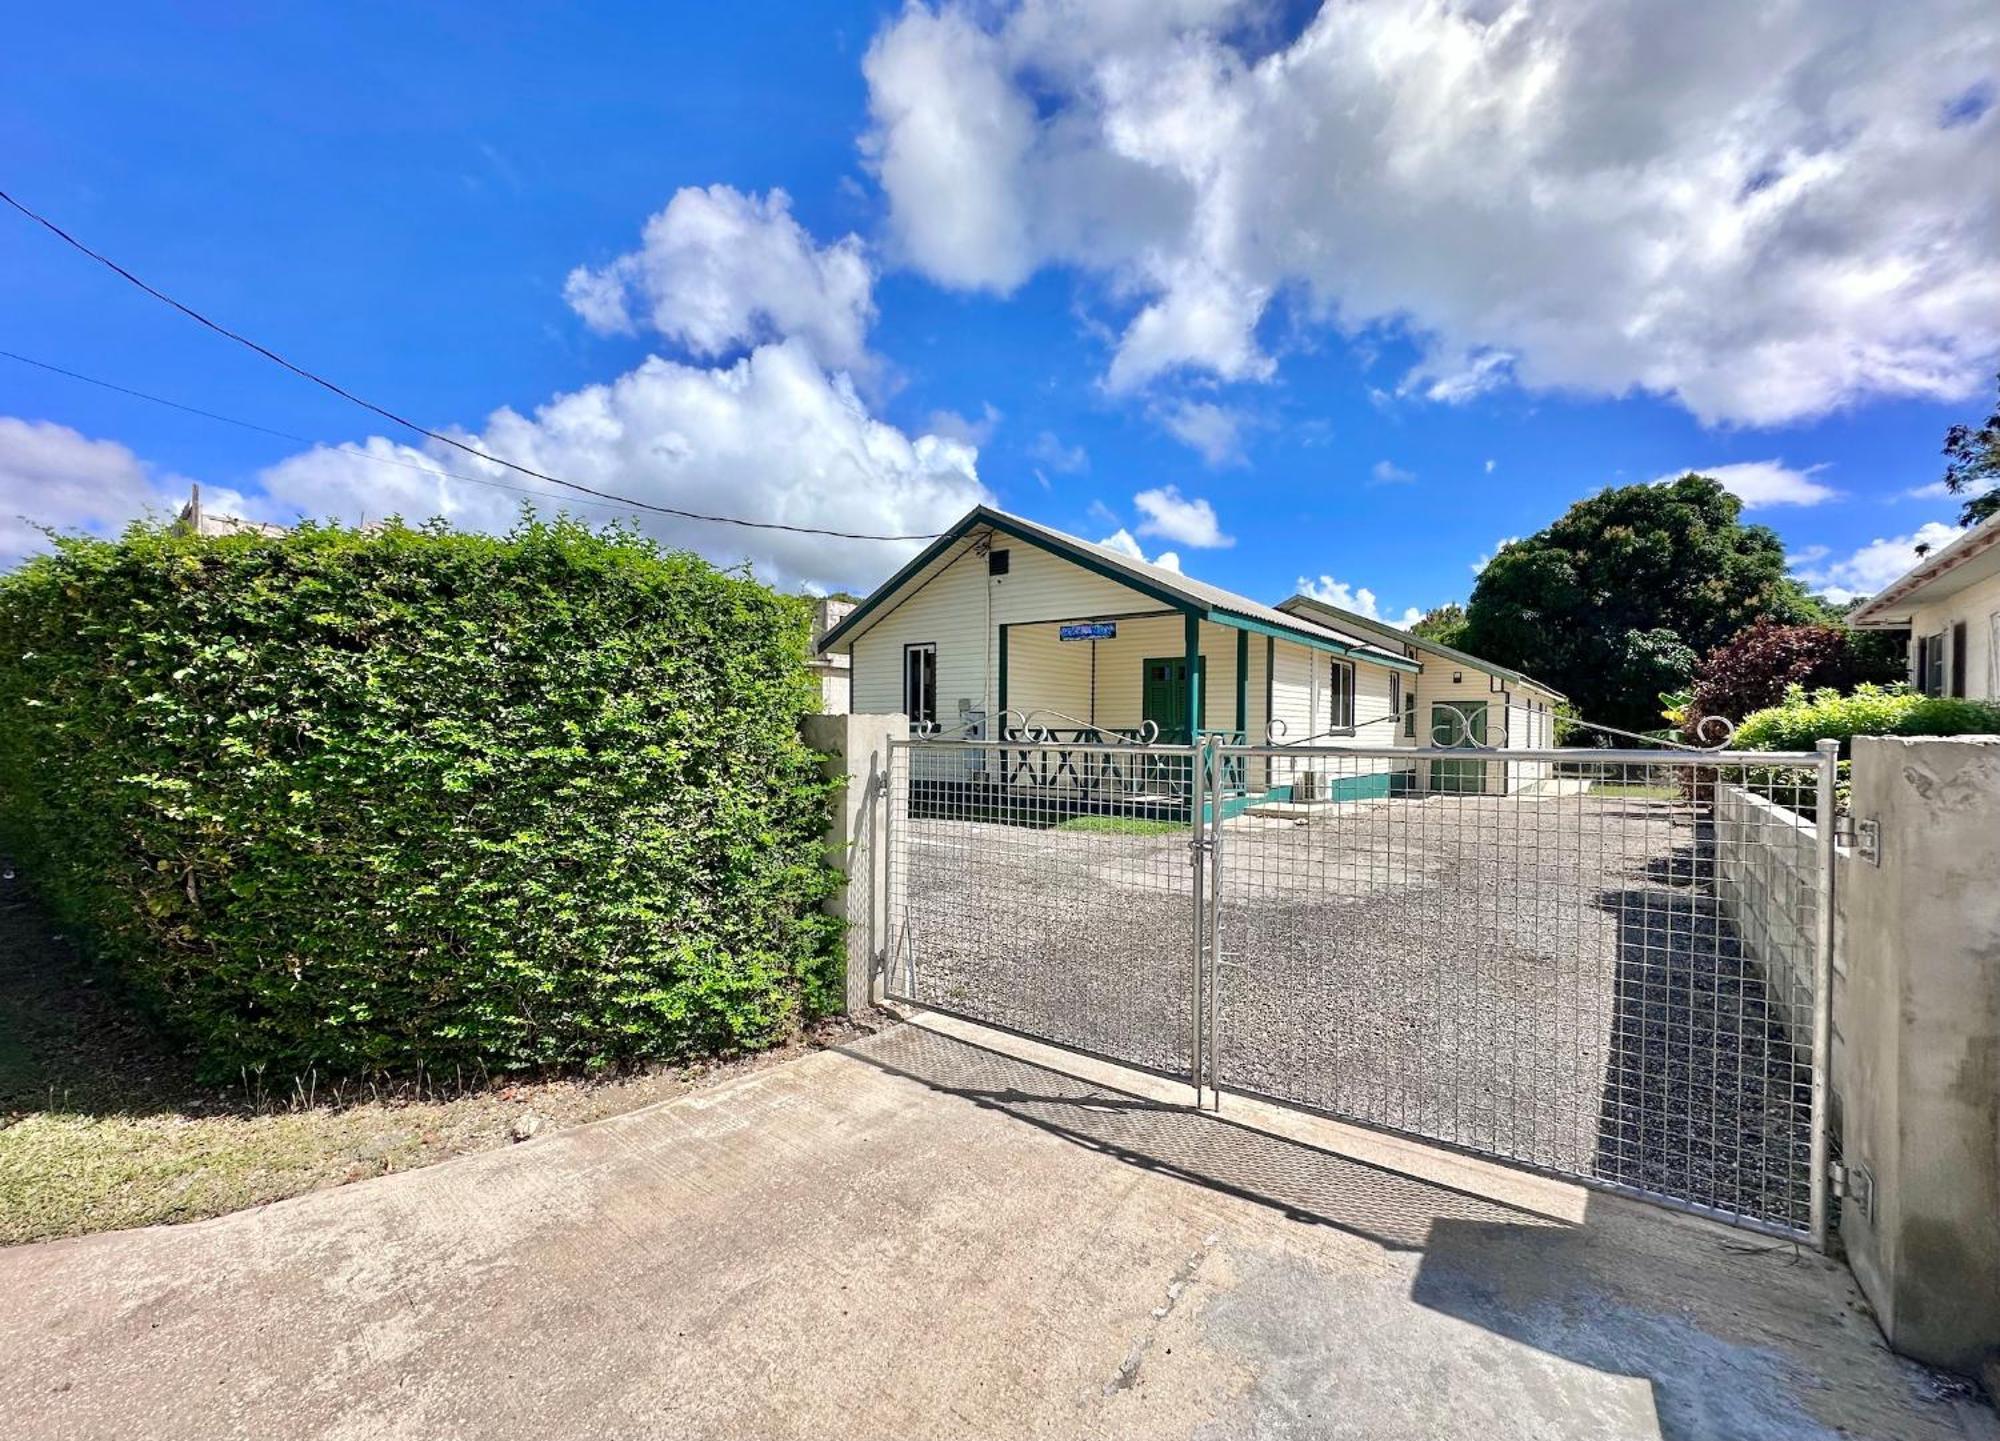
(934, 1233)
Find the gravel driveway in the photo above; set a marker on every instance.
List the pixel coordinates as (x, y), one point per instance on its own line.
(1544, 979)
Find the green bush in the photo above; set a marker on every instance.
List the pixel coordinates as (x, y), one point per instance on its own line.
(413, 798)
(1802, 720)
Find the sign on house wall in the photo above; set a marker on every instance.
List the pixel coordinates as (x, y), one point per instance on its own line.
(1093, 630)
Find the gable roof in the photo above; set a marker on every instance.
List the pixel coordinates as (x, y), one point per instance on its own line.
(1971, 558)
(1379, 628)
(1169, 587)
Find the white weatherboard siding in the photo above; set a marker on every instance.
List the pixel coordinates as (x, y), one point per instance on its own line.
(960, 610)
(957, 609)
(1978, 605)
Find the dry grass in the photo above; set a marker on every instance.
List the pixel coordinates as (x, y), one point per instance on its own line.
(103, 1124)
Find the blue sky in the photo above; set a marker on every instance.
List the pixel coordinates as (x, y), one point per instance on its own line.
(1347, 296)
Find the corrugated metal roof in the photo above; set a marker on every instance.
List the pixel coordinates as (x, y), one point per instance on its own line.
(1465, 658)
(1141, 575)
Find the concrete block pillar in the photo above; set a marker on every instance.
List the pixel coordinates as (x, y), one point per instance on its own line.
(854, 749)
(1919, 1014)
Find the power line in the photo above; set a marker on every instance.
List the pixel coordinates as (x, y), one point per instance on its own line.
(438, 436)
(349, 450)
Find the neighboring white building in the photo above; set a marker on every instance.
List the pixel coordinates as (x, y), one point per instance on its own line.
(1950, 603)
(1458, 700)
(213, 523)
(831, 667)
(1004, 628)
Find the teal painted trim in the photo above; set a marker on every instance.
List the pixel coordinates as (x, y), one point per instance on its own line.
(1313, 642)
(1464, 658)
(999, 710)
(1270, 694)
(1089, 562)
(1361, 788)
(1196, 709)
(889, 587)
(974, 518)
(1243, 684)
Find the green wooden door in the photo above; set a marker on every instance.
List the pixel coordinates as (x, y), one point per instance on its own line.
(1457, 723)
(1163, 697)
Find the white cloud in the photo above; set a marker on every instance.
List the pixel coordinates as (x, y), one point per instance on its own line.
(1762, 483)
(1490, 464)
(1498, 546)
(1602, 196)
(1361, 601)
(1048, 450)
(1387, 472)
(778, 434)
(1122, 541)
(963, 428)
(51, 475)
(1187, 519)
(772, 437)
(718, 271)
(1936, 490)
(1215, 432)
(1870, 568)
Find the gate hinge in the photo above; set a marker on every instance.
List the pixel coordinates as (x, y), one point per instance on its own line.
(1855, 1184)
(1864, 837)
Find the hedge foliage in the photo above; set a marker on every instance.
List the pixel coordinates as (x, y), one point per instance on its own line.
(1753, 669)
(374, 801)
(1802, 719)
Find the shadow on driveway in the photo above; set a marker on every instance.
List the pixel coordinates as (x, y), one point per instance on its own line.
(1307, 1183)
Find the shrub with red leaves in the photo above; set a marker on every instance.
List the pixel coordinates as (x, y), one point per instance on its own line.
(1750, 670)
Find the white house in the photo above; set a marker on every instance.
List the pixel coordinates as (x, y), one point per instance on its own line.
(1005, 629)
(1950, 603)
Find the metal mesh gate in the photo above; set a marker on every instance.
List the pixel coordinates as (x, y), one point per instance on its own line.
(1606, 965)
(1602, 965)
(1047, 889)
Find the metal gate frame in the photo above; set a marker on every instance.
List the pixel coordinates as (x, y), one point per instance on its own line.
(1205, 1062)
(1209, 851)
(1014, 776)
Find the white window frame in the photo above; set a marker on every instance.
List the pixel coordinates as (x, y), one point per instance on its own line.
(913, 705)
(1337, 691)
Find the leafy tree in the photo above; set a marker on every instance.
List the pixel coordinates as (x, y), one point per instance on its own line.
(1444, 624)
(1975, 466)
(1754, 668)
(1616, 600)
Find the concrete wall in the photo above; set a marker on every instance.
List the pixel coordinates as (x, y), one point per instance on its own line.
(1918, 1012)
(855, 750)
(1766, 881)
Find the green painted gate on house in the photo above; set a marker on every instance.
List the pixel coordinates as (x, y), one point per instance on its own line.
(1163, 698)
(1458, 724)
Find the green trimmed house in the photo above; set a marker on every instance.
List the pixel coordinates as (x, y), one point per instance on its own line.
(1005, 629)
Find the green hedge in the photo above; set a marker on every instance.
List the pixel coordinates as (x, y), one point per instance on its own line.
(412, 798)
(1802, 719)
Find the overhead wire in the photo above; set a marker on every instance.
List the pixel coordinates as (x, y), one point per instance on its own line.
(346, 449)
(438, 436)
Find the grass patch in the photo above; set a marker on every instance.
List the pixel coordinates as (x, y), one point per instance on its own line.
(1635, 790)
(103, 1124)
(1122, 825)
